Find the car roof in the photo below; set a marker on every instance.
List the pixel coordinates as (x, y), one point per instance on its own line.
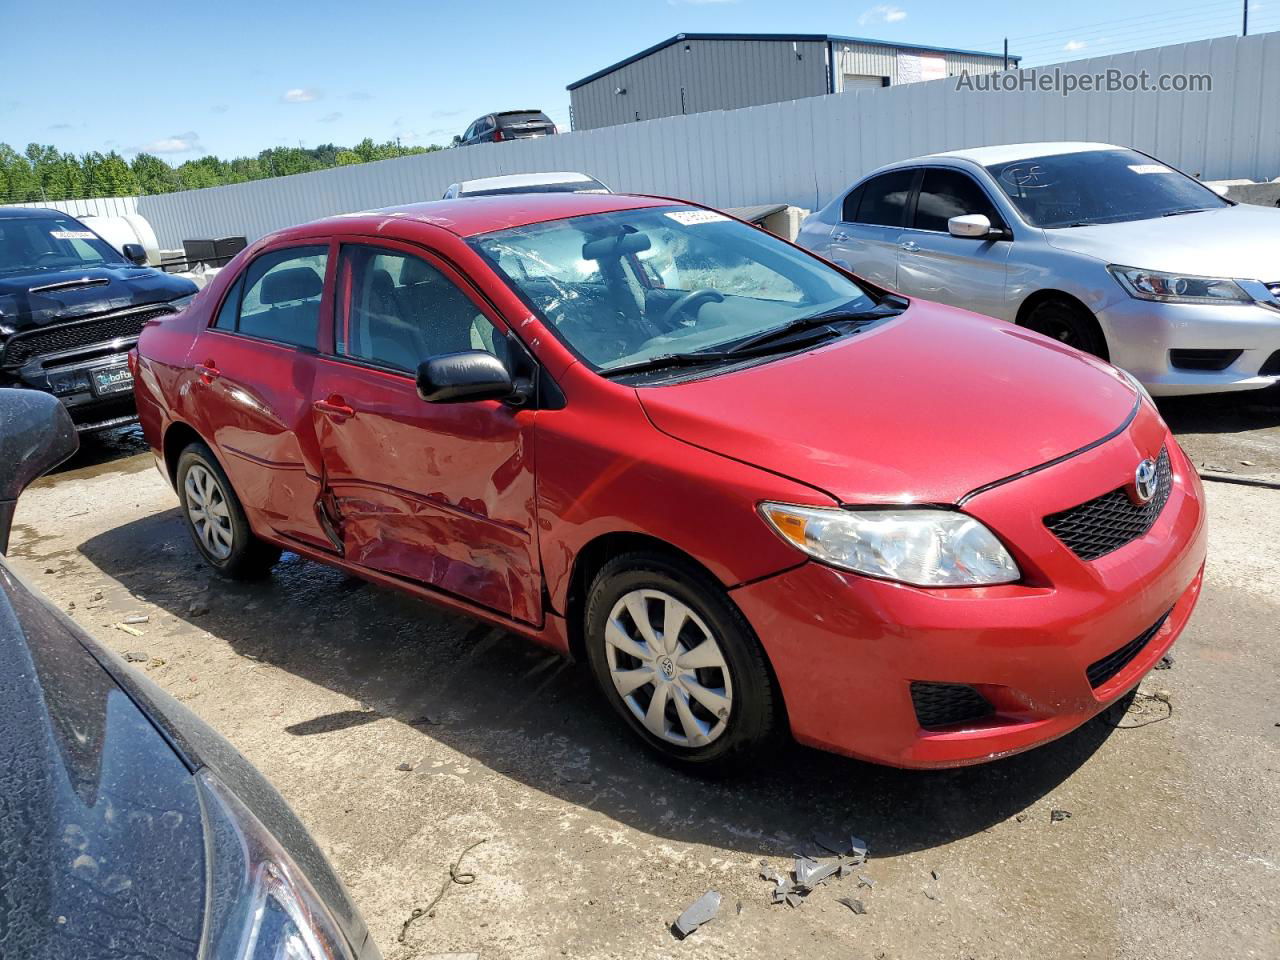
(525, 180)
(14, 213)
(472, 216)
(1011, 152)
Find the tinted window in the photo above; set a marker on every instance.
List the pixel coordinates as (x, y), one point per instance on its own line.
(403, 310)
(849, 212)
(230, 307)
(884, 199)
(1099, 186)
(282, 295)
(949, 193)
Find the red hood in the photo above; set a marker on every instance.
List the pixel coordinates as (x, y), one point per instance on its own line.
(924, 408)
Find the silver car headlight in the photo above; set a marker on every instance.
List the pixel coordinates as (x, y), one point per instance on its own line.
(925, 547)
(261, 906)
(1177, 287)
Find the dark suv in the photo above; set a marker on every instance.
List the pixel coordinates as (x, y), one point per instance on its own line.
(71, 308)
(510, 125)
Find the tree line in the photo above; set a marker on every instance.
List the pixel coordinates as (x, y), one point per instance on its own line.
(43, 173)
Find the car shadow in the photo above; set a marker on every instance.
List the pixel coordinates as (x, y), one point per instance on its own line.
(107, 451)
(1222, 412)
(532, 716)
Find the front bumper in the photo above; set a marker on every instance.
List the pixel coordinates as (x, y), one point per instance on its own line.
(1142, 334)
(846, 648)
(98, 392)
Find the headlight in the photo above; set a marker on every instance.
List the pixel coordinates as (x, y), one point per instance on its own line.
(1177, 288)
(261, 906)
(928, 548)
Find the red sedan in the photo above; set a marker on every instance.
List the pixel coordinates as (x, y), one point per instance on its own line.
(756, 493)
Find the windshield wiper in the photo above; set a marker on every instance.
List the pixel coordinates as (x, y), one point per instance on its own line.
(1179, 213)
(664, 361)
(781, 336)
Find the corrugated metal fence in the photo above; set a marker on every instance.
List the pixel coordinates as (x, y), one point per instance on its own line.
(90, 207)
(804, 151)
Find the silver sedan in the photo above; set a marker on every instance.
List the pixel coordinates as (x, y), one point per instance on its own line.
(1101, 247)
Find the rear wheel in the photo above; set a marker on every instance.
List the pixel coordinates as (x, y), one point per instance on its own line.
(1067, 323)
(679, 663)
(215, 519)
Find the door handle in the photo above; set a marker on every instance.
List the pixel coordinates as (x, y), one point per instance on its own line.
(207, 372)
(334, 406)
(910, 246)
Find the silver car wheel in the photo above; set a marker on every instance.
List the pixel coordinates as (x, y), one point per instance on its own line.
(207, 511)
(668, 668)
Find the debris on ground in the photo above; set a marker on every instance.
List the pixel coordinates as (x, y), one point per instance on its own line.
(197, 609)
(1165, 662)
(703, 910)
(125, 628)
(857, 906)
(810, 872)
(456, 875)
(136, 618)
(1142, 711)
(133, 656)
(405, 767)
(933, 894)
(934, 874)
(1021, 818)
(1057, 816)
(865, 881)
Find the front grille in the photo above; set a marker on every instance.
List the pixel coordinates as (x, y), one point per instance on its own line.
(1211, 360)
(947, 704)
(1272, 367)
(1100, 671)
(61, 337)
(1107, 523)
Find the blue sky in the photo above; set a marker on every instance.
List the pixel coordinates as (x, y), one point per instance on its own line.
(240, 76)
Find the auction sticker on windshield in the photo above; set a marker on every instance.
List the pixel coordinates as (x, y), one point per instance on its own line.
(73, 234)
(691, 218)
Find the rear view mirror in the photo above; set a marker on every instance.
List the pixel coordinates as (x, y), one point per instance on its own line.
(462, 377)
(973, 226)
(135, 253)
(36, 434)
(618, 245)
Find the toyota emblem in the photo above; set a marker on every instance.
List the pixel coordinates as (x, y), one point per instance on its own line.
(1144, 480)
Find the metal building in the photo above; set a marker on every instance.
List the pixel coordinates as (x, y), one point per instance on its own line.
(695, 72)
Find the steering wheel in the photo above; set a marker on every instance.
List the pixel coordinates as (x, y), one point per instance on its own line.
(690, 301)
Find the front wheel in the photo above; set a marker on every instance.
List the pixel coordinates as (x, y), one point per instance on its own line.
(679, 663)
(215, 519)
(1068, 323)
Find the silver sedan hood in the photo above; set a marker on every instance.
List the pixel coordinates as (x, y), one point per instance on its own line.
(1241, 242)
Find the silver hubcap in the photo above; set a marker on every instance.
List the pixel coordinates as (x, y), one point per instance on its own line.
(668, 668)
(207, 510)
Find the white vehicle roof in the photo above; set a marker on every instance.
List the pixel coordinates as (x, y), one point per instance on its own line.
(1012, 152)
(523, 180)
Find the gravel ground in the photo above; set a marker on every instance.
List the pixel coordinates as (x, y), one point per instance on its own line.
(330, 686)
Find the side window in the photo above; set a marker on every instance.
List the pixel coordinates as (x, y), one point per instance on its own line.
(399, 310)
(230, 306)
(282, 295)
(949, 193)
(884, 199)
(849, 213)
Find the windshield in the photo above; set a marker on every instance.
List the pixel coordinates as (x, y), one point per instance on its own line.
(621, 288)
(51, 243)
(1099, 186)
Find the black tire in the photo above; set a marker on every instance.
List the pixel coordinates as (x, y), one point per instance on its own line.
(755, 712)
(246, 557)
(1068, 323)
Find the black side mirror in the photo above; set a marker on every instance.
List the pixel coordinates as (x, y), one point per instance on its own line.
(135, 253)
(462, 377)
(36, 434)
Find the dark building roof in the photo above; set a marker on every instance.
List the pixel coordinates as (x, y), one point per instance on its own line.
(787, 37)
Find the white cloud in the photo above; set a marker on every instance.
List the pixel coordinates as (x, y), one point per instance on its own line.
(331, 117)
(301, 95)
(1071, 46)
(188, 142)
(883, 13)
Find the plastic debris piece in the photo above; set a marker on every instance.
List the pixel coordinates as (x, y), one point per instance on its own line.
(933, 895)
(136, 619)
(810, 873)
(859, 848)
(701, 911)
(865, 881)
(1057, 816)
(133, 656)
(1165, 662)
(124, 627)
(857, 906)
(934, 874)
(794, 899)
(405, 767)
